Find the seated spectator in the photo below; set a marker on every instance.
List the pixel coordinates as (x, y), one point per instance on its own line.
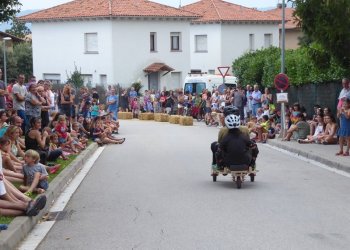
(300, 130)
(13, 203)
(36, 140)
(330, 134)
(13, 133)
(101, 136)
(319, 131)
(262, 129)
(3, 122)
(35, 174)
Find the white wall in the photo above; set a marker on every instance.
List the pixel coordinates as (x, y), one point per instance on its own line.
(226, 42)
(57, 46)
(132, 50)
(212, 59)
(235, 39)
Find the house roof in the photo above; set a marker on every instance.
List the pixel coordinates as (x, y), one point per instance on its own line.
(291, 22)
(14, 38)
(221, 11)
(107, 8)
(156, 67)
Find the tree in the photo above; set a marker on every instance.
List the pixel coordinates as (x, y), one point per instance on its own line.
(8, 9)
(18, 29)
(76, 78)
(327, 24)
(20, 60)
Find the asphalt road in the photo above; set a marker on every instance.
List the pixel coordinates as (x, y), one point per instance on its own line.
(155, 192)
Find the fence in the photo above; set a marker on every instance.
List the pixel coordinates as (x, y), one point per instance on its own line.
(325, 95)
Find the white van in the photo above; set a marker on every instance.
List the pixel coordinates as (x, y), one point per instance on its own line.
(195, 83)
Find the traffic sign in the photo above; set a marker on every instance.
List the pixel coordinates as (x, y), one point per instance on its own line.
(224, 70)
(281, 82)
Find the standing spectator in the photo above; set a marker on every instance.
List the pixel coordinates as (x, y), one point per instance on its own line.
(112, 102)
(132, 95)
(85, 101)
(50, 95)
(95, 95)
(124, 101)
(248, 107)
(19, 93)
(3, 93)
(33, 104)
(45, 106)
(345, 92)
(266, 98)
(66, 102)
(238, 99)
(344, 130)
(256, 99)
(108, 92)
(9, 98)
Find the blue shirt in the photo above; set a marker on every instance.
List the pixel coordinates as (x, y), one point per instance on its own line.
(133, 94)
(113, 106)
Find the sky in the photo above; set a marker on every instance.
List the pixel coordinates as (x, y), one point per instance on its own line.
(43, 4)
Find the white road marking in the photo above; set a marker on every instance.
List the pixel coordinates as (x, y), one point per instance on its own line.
(313, 162)
(40, 230)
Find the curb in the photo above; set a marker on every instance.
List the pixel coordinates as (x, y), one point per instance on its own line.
(20, 227)
(320, 159)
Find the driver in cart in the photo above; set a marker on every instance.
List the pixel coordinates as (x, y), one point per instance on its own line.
(234, 147)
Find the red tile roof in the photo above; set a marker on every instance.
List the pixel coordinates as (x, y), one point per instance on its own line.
(291, 22)
(220, 11)
(103, 8)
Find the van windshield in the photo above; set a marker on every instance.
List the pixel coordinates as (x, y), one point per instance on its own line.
(194, 87)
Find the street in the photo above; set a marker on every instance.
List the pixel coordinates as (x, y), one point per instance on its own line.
(155, 192)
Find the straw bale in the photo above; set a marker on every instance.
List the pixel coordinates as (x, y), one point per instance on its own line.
(174, 119)
(186, 121)
(146, 116)
(124, 115)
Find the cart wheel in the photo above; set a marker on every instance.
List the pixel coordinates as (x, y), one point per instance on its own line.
(252, 177)
(214, 178)
(239, 182)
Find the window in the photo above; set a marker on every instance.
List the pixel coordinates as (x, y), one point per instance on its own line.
(103, 79)
(251, 42)
(201, 43)
(176, 80)
(87, 79)
(53, 78)
(153, 42)
(211, 71)
(175, 40)
(91, 43)
(268, 40)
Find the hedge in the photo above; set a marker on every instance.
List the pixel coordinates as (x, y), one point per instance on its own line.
(261, 67)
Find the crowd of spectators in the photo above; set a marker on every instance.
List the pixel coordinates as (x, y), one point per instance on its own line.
(38, 127)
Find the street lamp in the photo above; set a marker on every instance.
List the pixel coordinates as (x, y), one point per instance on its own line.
(283, 49)
(5, 68)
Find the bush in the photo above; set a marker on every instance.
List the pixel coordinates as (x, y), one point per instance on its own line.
(261, 67)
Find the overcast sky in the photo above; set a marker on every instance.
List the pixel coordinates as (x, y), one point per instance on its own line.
(43, 4)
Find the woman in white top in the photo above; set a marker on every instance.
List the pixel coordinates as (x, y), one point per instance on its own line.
(319, 131)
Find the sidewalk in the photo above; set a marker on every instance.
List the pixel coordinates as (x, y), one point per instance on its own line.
(324, 154)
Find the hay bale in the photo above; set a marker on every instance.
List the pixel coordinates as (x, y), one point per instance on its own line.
(160, 117)
(174, 119)
(146, 116)
(186, 121)
(124, 115)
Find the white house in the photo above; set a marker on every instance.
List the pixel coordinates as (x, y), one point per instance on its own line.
(226, 31)
(123, 41)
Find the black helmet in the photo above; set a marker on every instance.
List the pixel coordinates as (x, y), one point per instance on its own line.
(231, 110)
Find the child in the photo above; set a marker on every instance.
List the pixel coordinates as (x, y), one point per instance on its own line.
(99, 135)
(53, 145)
(35, 175)
(135, 107)
(94, 109)
(344, 130)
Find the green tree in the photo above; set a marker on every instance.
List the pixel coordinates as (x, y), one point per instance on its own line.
(8, 9)
(76, 78)
(18, 29)
(19, 60)
(327, 24)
